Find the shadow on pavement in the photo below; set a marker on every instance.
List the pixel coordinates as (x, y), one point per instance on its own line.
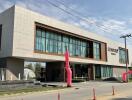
(122, 99)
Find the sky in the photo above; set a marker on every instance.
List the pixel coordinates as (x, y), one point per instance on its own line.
(108, 18)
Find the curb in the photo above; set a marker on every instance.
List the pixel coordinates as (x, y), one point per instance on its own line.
(34, 92)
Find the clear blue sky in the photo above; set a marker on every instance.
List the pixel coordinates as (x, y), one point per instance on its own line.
(115, 16)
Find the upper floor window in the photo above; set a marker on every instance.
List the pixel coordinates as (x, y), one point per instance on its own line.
(96, 50)
(122, 56)
(40, 40)
(54, 42)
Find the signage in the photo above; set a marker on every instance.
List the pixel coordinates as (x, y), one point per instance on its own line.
(112, 50)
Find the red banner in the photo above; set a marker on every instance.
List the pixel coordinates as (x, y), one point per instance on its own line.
(68, 69)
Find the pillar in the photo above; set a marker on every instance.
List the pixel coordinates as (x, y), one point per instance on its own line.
(93, 72)
(90, 72)
(14, 68)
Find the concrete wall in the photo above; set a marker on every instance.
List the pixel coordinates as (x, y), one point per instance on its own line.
(130, 56)
(117, 71)
(7, 21)
(14, 67)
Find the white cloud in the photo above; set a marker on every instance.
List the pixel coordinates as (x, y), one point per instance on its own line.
(130, 20)
(92, 20)
(63, 7)
(113, 25)
(21, 3)
(4, 4)
(113, 28)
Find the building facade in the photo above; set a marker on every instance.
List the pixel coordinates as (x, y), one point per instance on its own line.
(26, 35)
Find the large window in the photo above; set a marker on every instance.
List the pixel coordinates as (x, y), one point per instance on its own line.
(122, 57)
(56, 43)
(97, 71)
(53, 42)
(40, 40)
(96, 50)
(0, 34)
(107, 71)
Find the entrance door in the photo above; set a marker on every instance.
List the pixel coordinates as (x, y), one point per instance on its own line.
(55, 71)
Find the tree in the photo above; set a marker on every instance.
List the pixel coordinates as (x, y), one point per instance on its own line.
(30, 66)
(38, 69)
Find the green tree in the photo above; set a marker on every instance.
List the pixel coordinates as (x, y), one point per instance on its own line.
(38, 69)
(30, 66)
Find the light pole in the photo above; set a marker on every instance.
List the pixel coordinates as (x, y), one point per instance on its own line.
(126, 56)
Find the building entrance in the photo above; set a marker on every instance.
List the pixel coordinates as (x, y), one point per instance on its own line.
(83, 71)
(55, 71)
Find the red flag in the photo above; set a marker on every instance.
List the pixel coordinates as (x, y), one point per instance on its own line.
(124, 75)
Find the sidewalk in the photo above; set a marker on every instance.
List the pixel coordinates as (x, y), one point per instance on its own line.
(126, 95)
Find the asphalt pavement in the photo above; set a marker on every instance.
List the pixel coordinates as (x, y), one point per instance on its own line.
(81, 91)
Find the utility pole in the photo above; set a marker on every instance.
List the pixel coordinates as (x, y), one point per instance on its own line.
(126, 54)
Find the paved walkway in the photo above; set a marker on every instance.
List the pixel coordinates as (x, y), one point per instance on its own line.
(82, 91)
(120, 95)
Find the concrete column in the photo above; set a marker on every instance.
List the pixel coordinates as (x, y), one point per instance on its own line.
(93, 72)
(55, 71)
(14, 68)
(90, 72)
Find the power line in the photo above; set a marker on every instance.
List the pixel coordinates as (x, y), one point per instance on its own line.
(76, 12)
(77, 15)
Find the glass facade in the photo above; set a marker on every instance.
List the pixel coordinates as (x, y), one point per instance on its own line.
(96, 50)
(53, 42)
(97, 71)
(107, 71)
(122, 58)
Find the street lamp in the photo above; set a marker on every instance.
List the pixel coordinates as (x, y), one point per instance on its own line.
(126, 59)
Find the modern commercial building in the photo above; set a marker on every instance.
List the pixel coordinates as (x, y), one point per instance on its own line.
(27, 35)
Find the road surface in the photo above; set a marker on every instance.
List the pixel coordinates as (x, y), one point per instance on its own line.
(81, 91)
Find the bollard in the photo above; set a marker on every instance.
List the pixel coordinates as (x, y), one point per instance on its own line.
(94, 95)
(113, 90)
(58, 96)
